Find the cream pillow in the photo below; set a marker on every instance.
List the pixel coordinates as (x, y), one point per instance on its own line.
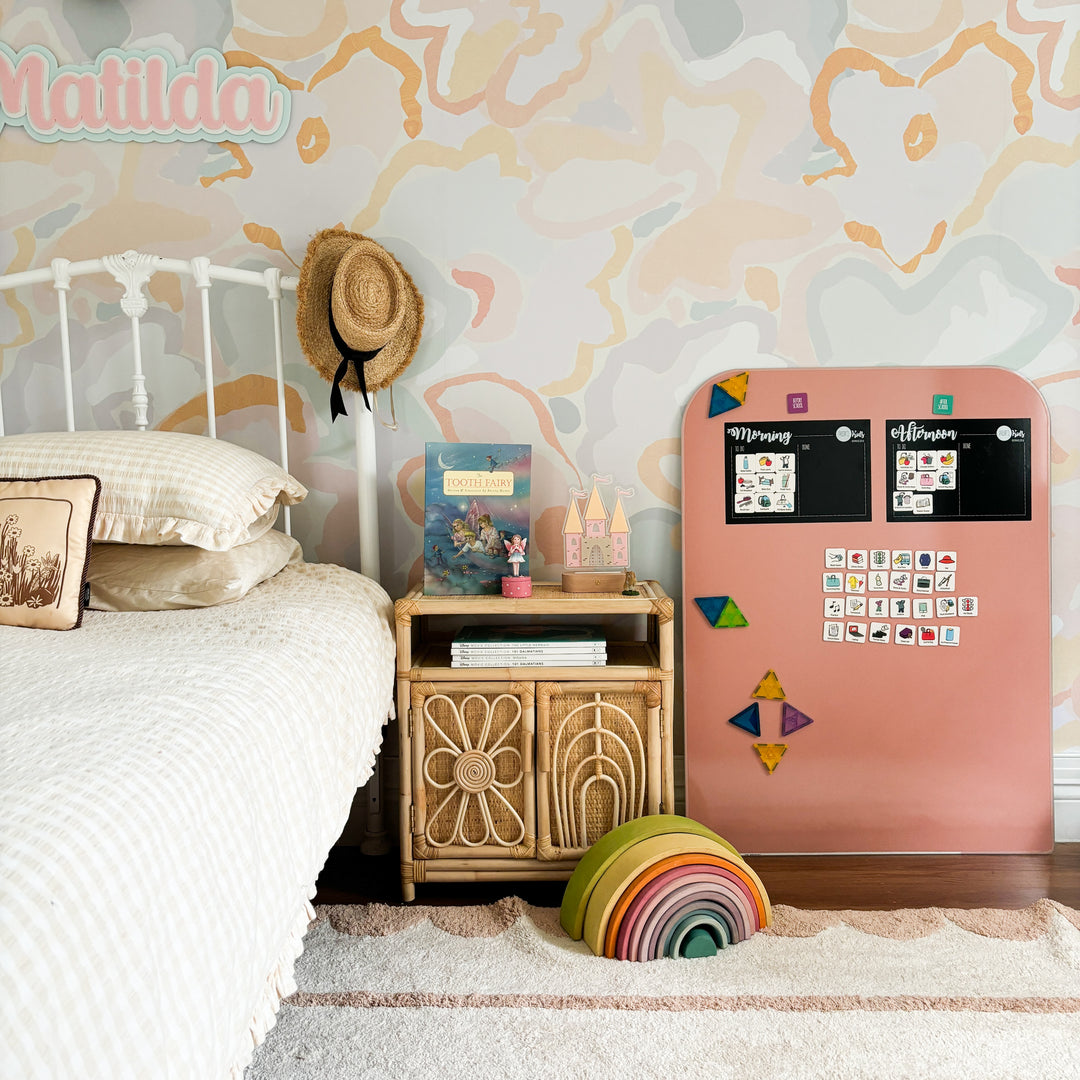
(162, 487)
(140, 577)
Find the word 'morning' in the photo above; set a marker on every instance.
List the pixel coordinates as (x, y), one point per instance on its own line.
(140, 95)
(746, 434)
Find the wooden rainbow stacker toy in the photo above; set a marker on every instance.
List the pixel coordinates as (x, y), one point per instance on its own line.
(663, 886)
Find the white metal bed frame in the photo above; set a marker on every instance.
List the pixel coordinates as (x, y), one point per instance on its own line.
(132, 271)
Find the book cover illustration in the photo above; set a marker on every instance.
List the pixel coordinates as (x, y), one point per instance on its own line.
(476, 497)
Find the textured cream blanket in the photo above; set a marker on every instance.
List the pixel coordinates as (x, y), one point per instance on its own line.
(170, 784)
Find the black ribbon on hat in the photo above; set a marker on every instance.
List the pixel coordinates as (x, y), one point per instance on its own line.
(358, 358)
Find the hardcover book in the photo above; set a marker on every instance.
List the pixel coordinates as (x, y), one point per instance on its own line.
(529, 661)
(476, 500)
(526, 645)
(478, 652)
(522, 634)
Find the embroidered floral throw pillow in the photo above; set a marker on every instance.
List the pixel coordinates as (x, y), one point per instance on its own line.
(46, 527)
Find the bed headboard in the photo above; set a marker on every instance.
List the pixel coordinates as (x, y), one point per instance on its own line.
(133, 271)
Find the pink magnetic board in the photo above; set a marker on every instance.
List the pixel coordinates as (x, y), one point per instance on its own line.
(929, 687)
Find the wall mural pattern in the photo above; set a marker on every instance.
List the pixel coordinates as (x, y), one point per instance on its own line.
(603, 202)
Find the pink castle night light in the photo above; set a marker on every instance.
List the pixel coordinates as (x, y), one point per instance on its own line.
(592, 537)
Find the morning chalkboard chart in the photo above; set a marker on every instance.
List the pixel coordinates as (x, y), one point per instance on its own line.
(799, 471)
(866, 610)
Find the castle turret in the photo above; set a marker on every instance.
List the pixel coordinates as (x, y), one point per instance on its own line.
(596, 515)
(572, 530)
(620, 529)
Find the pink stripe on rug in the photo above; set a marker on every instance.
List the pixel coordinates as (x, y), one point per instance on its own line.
(416, 999)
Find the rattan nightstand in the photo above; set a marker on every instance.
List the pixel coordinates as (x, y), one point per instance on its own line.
(511, 773)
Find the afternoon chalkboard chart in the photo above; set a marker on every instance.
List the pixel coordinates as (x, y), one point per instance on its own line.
(797, 471)
(949, 469)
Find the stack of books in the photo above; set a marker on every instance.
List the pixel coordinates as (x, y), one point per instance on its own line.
(529, 646)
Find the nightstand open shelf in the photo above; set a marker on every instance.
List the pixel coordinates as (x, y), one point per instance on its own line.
(511, 773)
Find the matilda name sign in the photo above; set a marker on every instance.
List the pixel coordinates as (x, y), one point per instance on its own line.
(140, 95)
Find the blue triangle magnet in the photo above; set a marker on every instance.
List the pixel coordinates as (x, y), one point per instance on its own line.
(711, 606)
(721, 401)
(792, 719)
(729, 394)
(749, 719)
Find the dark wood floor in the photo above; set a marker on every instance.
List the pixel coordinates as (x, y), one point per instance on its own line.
(806, 881)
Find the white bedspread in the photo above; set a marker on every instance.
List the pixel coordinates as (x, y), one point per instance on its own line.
(170, 784)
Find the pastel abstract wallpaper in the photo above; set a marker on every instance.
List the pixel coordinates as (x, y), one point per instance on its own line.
(603, 203)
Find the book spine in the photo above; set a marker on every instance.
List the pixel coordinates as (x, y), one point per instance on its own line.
(554, 650)
(537, 655)
(530, 662)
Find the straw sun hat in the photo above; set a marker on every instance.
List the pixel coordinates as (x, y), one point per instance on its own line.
(358, 314)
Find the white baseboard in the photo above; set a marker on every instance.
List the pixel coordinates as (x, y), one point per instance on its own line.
(1066, 795)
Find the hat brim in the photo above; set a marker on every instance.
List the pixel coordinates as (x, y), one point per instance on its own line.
(324, 252)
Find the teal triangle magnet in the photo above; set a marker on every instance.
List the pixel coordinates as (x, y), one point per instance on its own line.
(721, 401)
(711, 606)
(721, 611)
(792, 719)
(728, 394)
(749, 719)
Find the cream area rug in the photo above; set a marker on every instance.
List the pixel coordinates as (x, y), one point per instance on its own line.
(501, 992)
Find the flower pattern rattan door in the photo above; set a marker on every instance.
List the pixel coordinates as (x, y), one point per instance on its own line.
(472, 746)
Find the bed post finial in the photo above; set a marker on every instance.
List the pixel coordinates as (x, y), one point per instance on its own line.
(132, 270)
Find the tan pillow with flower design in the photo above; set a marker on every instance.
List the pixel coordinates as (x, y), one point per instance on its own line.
(46, 527)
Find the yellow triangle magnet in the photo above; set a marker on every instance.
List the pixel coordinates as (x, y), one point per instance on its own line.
(770, 754)
(736, 386)
(769, 687)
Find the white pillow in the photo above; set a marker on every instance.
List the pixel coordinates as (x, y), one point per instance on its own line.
(140, 577)
(162, 487)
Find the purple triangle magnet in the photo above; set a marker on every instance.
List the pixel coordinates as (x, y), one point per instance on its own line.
(749, 719)
(792, 719)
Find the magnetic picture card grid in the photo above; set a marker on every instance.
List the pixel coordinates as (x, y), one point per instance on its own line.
(925, 605)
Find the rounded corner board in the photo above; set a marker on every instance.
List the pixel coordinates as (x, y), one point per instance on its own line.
(883, 534)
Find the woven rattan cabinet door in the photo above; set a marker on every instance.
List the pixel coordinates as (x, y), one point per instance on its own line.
(473, 777)
(598, 761)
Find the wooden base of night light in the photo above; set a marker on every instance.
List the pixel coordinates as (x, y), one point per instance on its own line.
(516, 587)
(593, 581)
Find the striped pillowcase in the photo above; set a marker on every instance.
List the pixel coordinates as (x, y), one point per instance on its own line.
(162, 487)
